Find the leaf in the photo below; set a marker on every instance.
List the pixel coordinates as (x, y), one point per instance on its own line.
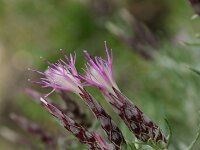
(191, 44)
(191, 146)
(131, 146)
(170, 132)
(195, 70)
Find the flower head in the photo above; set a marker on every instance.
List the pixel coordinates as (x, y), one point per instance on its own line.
(61, 76)
(99, 72)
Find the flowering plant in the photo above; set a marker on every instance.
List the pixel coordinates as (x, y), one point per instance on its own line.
(63, 76)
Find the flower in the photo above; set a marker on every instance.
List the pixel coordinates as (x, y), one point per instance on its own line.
(99, 72)
(61, 76)
(64, 76)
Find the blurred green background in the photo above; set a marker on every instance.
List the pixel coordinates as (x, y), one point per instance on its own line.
(154, 42)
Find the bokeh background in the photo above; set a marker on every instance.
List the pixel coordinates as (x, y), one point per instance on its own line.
(154, 43)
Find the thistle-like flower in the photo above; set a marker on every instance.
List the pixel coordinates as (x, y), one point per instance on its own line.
(63, 76)
(99, 74)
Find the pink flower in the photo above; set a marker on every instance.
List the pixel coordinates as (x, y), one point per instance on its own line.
(61, 76)
(64, 76)
(99, 72)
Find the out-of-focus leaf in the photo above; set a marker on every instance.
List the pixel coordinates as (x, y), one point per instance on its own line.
(191, 44)
(195, 70)
(191, 146)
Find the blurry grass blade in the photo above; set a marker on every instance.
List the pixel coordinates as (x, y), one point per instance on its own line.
(170, 132)
(191, 44)
(131, 146)
(195, 70)
(195, 140)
